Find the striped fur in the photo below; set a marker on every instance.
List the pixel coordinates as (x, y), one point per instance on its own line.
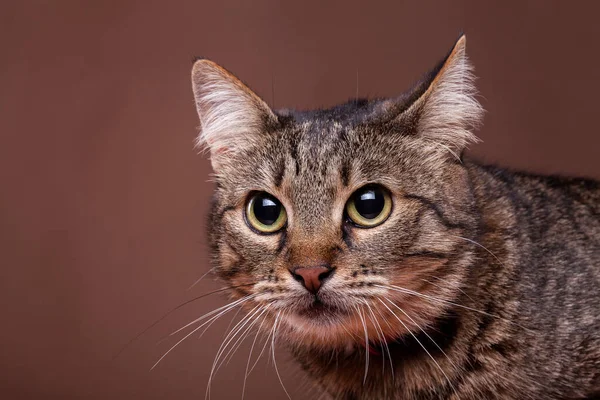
(483, 283)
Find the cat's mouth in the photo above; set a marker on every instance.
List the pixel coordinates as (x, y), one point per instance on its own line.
(320, 310)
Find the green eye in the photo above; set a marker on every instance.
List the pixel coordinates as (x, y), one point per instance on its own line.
(265, 213)
(369, 206)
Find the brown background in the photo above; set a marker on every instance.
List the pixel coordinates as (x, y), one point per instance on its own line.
(103, 197)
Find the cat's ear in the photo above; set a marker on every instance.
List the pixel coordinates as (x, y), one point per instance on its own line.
(232, 117)
(445, 109)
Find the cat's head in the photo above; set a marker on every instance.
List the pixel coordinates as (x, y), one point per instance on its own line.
(335, 222)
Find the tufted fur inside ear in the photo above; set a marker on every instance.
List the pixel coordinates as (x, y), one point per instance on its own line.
(447, 110)
(231, 115)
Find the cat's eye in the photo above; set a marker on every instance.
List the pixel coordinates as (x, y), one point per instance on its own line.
(369, 206)
(265, 213)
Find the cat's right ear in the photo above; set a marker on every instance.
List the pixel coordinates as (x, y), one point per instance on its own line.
(232, 117)
(443, 107)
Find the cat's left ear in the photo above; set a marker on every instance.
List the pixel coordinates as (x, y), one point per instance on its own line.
(445, 110)
(232, 117)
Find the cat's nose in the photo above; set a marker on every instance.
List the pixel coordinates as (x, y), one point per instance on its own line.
(312, 277)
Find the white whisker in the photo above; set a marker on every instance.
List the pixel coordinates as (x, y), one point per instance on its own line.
(261, 352)
(232, 319)
(387, 347)
(366, 344)
(380, 335)
(426, 334)
(230, 336)
(199, 279)
(241, 338)
(275, 325)
(229, 307)
(440, 287)
(250, 356)
(418, 341)
(415, 293)
(233, 333)
(480, 245)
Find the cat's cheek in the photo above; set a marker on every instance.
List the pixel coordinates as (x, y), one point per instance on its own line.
(230, 269)
(228, 259)
(413, 272)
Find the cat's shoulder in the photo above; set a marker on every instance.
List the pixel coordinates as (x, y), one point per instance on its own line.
(579, 189)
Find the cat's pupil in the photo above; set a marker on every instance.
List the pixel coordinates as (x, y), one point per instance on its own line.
(266, 209)
(369, 203)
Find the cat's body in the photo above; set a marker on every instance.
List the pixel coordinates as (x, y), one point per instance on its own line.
(393, 267)
(536, 276)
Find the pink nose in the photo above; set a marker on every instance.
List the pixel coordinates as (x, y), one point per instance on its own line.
(311, 277)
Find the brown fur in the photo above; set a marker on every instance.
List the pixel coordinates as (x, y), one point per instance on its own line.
(499, 271)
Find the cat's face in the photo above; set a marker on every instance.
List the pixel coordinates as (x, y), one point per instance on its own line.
(341, 224)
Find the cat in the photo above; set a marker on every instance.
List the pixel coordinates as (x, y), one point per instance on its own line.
(391, 265)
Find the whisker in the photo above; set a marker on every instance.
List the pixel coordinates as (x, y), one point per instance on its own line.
(189, 334)
(242, 337)
(208, 385)
(426, 334)
(261, 352)
(387, 347)
(237, 337)
(228, 339)
(480, 245)
(415, 293)
(199, 279)
(231, 321)
(366, 345)
(250, 356)
(170, 312)
(440, 287)
(415, 337)
(379, 331)
(227, 306)
(275, 325)
(213, 320)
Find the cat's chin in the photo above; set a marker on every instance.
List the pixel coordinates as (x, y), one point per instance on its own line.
(325, 325)
(320, 314)
(322, 329)
(316, 324)
(316, 316)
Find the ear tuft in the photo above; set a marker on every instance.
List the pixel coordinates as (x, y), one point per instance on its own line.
(197, 58)
(231, 115)
(448, 111)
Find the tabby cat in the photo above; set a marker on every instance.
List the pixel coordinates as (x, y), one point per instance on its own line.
(392, 266)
